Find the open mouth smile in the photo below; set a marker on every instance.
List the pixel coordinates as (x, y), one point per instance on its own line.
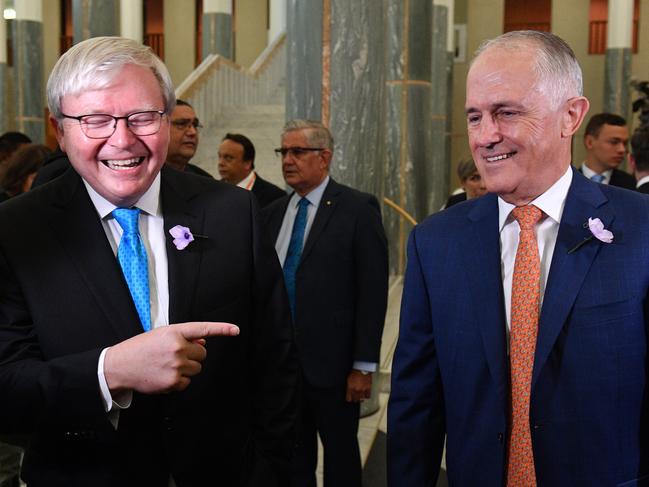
(120, 164)
(500, 157)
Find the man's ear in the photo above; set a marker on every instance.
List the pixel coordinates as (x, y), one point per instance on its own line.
(574, 114)
(58, 130)
(326, 156)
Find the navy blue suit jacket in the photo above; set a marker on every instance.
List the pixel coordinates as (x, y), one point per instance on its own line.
(450, 376)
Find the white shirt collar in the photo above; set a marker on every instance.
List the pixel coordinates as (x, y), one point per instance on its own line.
(642, 181)
(314, 196)
(552, 202)
(589, 173)
(246, 183)
(149, 202)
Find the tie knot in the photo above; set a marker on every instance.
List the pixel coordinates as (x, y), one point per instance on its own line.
(598, 178)
(527, 216)
(303, 203)
(127, 219)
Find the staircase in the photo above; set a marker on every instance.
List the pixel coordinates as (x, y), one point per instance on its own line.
(230, 98)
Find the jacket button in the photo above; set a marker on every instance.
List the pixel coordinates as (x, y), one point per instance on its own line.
(500, 437)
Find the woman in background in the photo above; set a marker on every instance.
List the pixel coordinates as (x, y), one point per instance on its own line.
(21, 169)
(471, 183)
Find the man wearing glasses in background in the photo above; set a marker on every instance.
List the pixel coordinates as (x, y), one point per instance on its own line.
(183, 139)
(332, 247)
(119, 282)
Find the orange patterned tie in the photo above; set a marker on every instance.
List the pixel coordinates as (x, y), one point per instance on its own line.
(526, 291)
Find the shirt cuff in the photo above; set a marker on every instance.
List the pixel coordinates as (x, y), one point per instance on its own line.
(121, 400)
(364, 366)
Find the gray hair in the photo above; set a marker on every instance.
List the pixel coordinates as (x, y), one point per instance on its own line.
(94, 63)
(318, 135)
(555, 64)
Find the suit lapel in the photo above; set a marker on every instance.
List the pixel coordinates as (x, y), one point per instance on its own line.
(183, 265)
(76, 224)
(482, 253)
(324, 212)
(569, 267)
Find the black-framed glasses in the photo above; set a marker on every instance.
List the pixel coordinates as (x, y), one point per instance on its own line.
(102, 125)
(185, 123)
(296, 151)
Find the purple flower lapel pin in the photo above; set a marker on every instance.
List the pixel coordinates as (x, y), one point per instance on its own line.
(597, 230)
(182, 236)
(596, 227)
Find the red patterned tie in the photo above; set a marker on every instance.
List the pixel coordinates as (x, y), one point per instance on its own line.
(524, 324)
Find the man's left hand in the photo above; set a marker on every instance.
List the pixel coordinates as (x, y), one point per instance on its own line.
(359, 386)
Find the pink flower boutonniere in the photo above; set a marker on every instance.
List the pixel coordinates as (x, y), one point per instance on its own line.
(597, 230)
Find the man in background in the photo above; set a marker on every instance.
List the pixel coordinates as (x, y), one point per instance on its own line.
(183, 139)
(606, 139)
(639, 158)
(331, 243)
(237, 166)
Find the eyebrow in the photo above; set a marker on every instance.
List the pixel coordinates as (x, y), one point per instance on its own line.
(496, 106)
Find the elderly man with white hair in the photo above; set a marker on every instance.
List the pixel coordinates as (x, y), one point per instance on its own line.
(145, 332)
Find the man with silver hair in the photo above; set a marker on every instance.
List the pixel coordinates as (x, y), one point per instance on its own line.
(523, 336)
(331, 243)
(119, 283)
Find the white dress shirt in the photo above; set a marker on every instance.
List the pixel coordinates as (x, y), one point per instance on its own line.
(589, 173)
(151, 227)
(551, 203)
(642, 181)
(248, 182)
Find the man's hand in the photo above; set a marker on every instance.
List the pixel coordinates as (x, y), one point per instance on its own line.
(163, 359)
(359, 386)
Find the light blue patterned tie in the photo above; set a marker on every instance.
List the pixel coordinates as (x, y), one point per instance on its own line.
(132, 257)
(598, 178)
(294, 251)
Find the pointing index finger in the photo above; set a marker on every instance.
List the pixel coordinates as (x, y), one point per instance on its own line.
(194, 330)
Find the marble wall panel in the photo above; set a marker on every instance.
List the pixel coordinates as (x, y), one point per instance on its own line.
(616, 81)
(94, 18)
(4, 88)
(28, 71)
(217, 34)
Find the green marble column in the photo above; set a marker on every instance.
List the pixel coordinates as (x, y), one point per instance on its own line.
(95, 18)
(217, 28)
(27, 53)
(4, 86)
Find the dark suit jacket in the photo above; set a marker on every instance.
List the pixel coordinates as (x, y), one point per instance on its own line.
(589, 407)
(194, 169)
(341, 284)
(63, 299)
(454, 199)
(621, 179)
(266, 192)
(644, 188)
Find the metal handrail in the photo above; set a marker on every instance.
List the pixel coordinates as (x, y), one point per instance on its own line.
(400, 210)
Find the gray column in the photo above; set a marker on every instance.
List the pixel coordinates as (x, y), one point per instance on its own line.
(408, 123)
(27, 34)
(618, 57)
(442, 102)
(217, 28)
(335, 74)
(95, 18)
(4, 86)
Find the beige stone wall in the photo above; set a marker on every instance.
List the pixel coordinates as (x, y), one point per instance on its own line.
(250, 30)
(180, 35)
(51, 38)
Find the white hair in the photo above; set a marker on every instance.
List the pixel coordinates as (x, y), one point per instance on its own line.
(556, 66)
(318, 135)
(93, 64)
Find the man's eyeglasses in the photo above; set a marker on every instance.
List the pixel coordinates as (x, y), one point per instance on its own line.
(102, 126)
(185, 123)
(296, 151)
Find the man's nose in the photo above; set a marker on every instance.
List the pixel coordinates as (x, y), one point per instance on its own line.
(488, 132)
(122, 136)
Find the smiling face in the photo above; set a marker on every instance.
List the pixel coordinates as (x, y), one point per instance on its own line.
(122, 167)
(519, 141)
